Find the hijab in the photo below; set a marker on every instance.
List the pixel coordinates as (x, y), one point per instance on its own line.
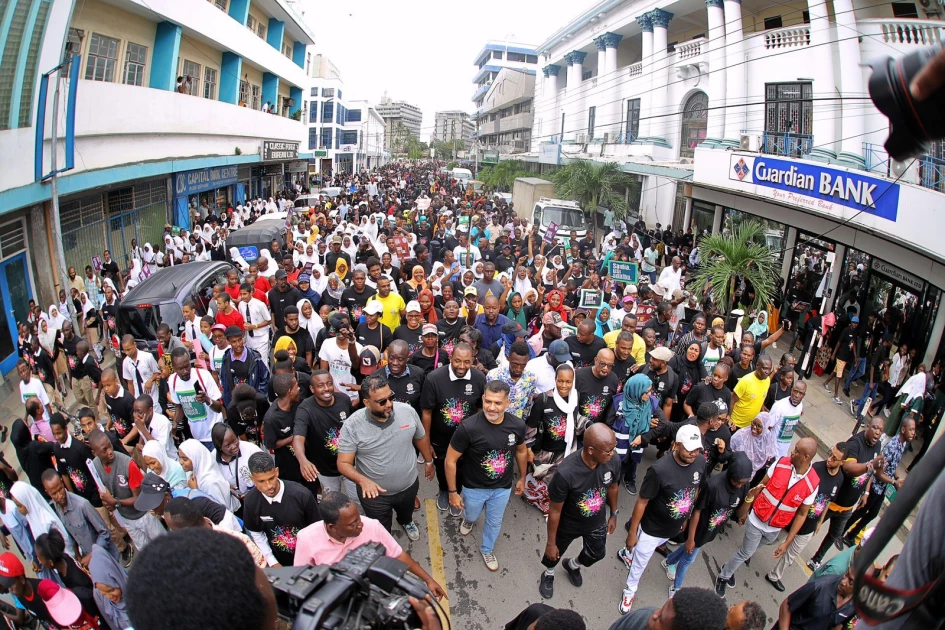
(691, 371)
(336, 293)
(104, 569)
(171, 471)
(429, 315)
(521, 285)
(560, 310)
(39, 515)
(209, 479)
(56, 319)
(87, 305)
(318, 284)
(739, 467)
(759, 328)
(568, 406)
(760, 448)
(47, 338)
(341, 270)
(519, 315)
(913, 388)
(603, 326)
(636, 411)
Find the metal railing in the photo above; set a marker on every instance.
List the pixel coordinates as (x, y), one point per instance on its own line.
(929, 172)
(932, 172)
(877, 159)
(786, 144)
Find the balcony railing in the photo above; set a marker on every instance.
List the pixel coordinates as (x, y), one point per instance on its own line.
(790, 37)
(909, 32)
(690, 49)
(932, 172)
(635, 70)
(929, 172)
(786, 144)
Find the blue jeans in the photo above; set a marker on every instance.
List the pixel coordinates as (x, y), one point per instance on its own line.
(868, 392)
(858, 370)
(683, 561)
(494, 501)
(651, 275)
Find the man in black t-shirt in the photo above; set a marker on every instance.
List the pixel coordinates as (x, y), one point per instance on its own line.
(830, 481)
(282, 296)
(274, 511)
(596, 387)
(120, 404)
(863, 460)
(585, 345)
(624, 364)
(667, 497)
(665, 381)
(355, 297)
(715, 391)
(317, 432)
(372, 332)
(660, 323)
(487, 441)
(304, 346)
(845, 351)
(279, 424)
(406, 381)
(582, 484)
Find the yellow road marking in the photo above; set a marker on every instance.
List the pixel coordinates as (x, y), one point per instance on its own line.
(436, 553)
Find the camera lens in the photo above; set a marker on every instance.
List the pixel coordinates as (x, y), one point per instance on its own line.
(913, 122)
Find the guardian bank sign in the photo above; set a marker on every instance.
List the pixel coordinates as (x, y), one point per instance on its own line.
(816, 187)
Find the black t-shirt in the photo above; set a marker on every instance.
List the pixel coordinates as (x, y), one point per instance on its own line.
(379, 337)
(321, 428)
(737, 373)
(413, 337)
(281, 521)
(450, 401)
(711, 451)
(660, 328)
(407, 386)
(304, 379)
(279, 300)
(355, 302)
(826, 493)
(671, 489)
(428, 364)
(278, 425)
(35, 605)
(449, 333)
(707, 393)
(70, 462)
(582, 355)
(488, 450)
(583, 492)
(814, 605)
(303, 341)
(551, 424)
(853, 487)
(121, 412)
(249, 425)
(717, 502)
(775, 393)
(623, 370)
(665, 385)
(846, 341)
(595, 396)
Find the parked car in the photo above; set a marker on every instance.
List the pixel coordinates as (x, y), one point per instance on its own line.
(157, 300)
(252, 239)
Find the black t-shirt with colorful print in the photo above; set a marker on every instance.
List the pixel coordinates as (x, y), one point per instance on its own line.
(826, 492)
(321, 428)
(717, 502)
(450, 402)
(488, 450)
(671, 490)
(583, 492)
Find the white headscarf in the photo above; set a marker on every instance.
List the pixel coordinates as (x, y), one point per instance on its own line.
(39, 515)
(320, 283)
(87, 305)
(913, 388)
(237, 259)
(273, 266)
(521, 286)
(209, 479)
(174, 476)
(56, 321)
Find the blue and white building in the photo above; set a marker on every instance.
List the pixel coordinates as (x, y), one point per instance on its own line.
(146, 147)
(333, 127)
(502, 64)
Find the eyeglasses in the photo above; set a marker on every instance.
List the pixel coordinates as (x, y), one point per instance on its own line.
(602, 451)
(604, 365)
(383, 401)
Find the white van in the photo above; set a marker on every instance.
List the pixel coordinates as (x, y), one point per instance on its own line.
(462, 175)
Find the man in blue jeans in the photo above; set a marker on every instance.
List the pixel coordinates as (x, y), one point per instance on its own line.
(880, 354)
(487, 441)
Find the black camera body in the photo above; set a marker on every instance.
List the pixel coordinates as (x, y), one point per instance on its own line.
(366, 589)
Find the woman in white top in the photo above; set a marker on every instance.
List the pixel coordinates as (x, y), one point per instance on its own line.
(204, 476)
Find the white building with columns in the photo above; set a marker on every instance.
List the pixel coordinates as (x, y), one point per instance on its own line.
(713, 103)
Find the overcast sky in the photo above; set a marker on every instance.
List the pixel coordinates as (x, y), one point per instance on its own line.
(422, 51)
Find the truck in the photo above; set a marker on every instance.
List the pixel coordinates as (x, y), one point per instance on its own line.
(532, 204)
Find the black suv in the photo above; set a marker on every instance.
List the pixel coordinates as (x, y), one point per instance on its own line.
(158, 299)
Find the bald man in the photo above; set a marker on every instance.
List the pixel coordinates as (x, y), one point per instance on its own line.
(596, 386)
(781, 500)
(576, 494)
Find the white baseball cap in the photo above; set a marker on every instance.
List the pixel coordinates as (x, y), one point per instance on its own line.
(690, 437)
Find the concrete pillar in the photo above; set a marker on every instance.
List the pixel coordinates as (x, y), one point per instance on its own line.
(298, 54)
(574, 109)
(275, 33)
(230, 72)
(839, 253)
(41, 257)
(295, 93)
(601, 55)
(715, 126)
(239, 10)
(717, 219)
(790, 240)
(609, 115)
(550, 126)
(164, 58)
(735, 87)
(611, 40)
(270, 88)
(646, 63)
(660, 71)
(938, 327)
(824, 114)
(851, 86)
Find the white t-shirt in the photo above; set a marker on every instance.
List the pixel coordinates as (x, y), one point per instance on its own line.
(144, 368)
(339, 364)
(795, 477)
(35, 389)
(160, 430)
(216, 357)
(467, 259)
(784, 419)
(201, 416)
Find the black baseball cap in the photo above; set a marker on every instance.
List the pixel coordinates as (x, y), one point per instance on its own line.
(153, 489)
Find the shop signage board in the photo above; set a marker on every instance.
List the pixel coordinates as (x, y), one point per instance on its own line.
(550, 232)
(906, 278)
(280, 150)
(815, 187)
(299, 166)
(194, 182)
(549, 153)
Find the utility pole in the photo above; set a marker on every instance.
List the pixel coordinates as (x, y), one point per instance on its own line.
(54, 197)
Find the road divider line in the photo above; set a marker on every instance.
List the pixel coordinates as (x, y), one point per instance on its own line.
(436, 552)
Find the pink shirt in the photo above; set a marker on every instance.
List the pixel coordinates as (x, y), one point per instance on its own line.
(314, 545)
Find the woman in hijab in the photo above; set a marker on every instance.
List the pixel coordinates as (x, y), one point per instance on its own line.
(156, 460)
(910, 400)
(555, 435)
(410, 290)
(16, 524)
(147, 257)
(48, 338)
(521, 283)
(556, 304)
(428, 306)
(319, 282)
(690, 371)
(56, 318)
(306, 291)
(637, 413)
(287, 345)
(39, 516)
(238, 260)
(759, 444)
(332, 293)
(111, 582)
(196, 459)
(518, 311)
(341, 270)
(602, 320)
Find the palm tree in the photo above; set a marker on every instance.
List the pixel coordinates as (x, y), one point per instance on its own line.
(501, 177)
(592, 184)
(740, 252)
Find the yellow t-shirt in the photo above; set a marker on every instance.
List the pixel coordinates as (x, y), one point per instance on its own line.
(393, 304)
(638, 351)
(751, 392)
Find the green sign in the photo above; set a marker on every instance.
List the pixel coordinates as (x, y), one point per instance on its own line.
(320, 153)
(622, 271)
(490, 157)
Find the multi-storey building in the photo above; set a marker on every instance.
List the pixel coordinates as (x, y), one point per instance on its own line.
(398, 116)
(147, 146)
(332, 127)
(506, 115)
(728, 111)
(371, 151)
(453, 125)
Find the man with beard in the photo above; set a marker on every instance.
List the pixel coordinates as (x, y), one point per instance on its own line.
(665, 381)
(356, 297)
(714, 391)
(304, 345)
(550, 332)
(585, 345)
(335, 254)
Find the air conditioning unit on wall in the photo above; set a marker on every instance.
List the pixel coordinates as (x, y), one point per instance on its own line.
(748, 142)
(581, 138)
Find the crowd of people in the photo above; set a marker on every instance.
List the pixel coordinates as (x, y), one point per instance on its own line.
(411, 323)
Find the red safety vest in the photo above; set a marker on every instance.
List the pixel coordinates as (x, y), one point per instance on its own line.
(777, 503)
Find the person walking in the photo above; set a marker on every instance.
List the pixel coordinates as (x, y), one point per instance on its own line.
(785, 414)
(487, 441)
(257, 321)
(242, 364)
(582, 484)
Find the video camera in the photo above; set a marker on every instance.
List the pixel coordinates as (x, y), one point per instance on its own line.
(366, 589)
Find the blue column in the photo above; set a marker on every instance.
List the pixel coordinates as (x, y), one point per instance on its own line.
(275, 33)
(164, 59)
(270, 88)
(298, 54)
(230, 72)
(239, 10)
(296, 95)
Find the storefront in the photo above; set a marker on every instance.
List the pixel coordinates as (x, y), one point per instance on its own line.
(274, 175)
(344, 158)
(267, 180)
(203, 189)
(295, 172)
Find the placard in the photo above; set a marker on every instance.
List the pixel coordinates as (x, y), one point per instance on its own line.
(97, 263)
(645, 313)
(462, 223)
(623, 271)
(567, 331)
(401, 246)
(591, 299)
(423, 203)
(550, 232)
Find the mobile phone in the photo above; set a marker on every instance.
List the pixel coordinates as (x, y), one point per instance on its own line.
(198, 388)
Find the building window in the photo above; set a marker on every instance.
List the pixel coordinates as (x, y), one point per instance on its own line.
(328, 92)
(251, 23)
(526, 107)
(312, 138)
(497, 54)
(516, 57)
(788, 118)
(328, 112)
(221, 4)
(261, 30)
(256, 93)
(532, 59)
(103, 54)
(591, 114)
(209, 83)
(191, 70)
(586, 74)
(326, 137)
(904, 10)
(694, 119)
(135, 58)
(633, 119)
(313, 110)
(354, 115)
(349, 137)
(244, 92)
(287, 50)
(773, 22)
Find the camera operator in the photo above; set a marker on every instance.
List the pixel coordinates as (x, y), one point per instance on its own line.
(341, 529)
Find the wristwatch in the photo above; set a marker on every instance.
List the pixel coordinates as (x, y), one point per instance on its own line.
(615, 513)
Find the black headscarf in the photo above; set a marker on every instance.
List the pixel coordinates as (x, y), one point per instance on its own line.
(739, 467)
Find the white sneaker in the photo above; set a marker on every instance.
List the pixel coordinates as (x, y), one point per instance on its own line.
(491, 562)
(413, 532)
(670, 570)
(886, 412)
(837, 400)
(465, 527)
(672, 591)
(626, 603)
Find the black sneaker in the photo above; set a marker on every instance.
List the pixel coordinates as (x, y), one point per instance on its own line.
(849, 542)
(574, 575)
(838, 543)
(747, 563)
(631, 487)
(546, 586)
(775, 583)
(720, 587)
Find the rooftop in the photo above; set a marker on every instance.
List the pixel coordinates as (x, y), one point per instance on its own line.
(524, 49)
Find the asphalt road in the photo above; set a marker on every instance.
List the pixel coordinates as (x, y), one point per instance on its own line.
(479, 598)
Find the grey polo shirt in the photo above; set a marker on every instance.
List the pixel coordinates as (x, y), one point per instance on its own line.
(384, 450)
(83, 523)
